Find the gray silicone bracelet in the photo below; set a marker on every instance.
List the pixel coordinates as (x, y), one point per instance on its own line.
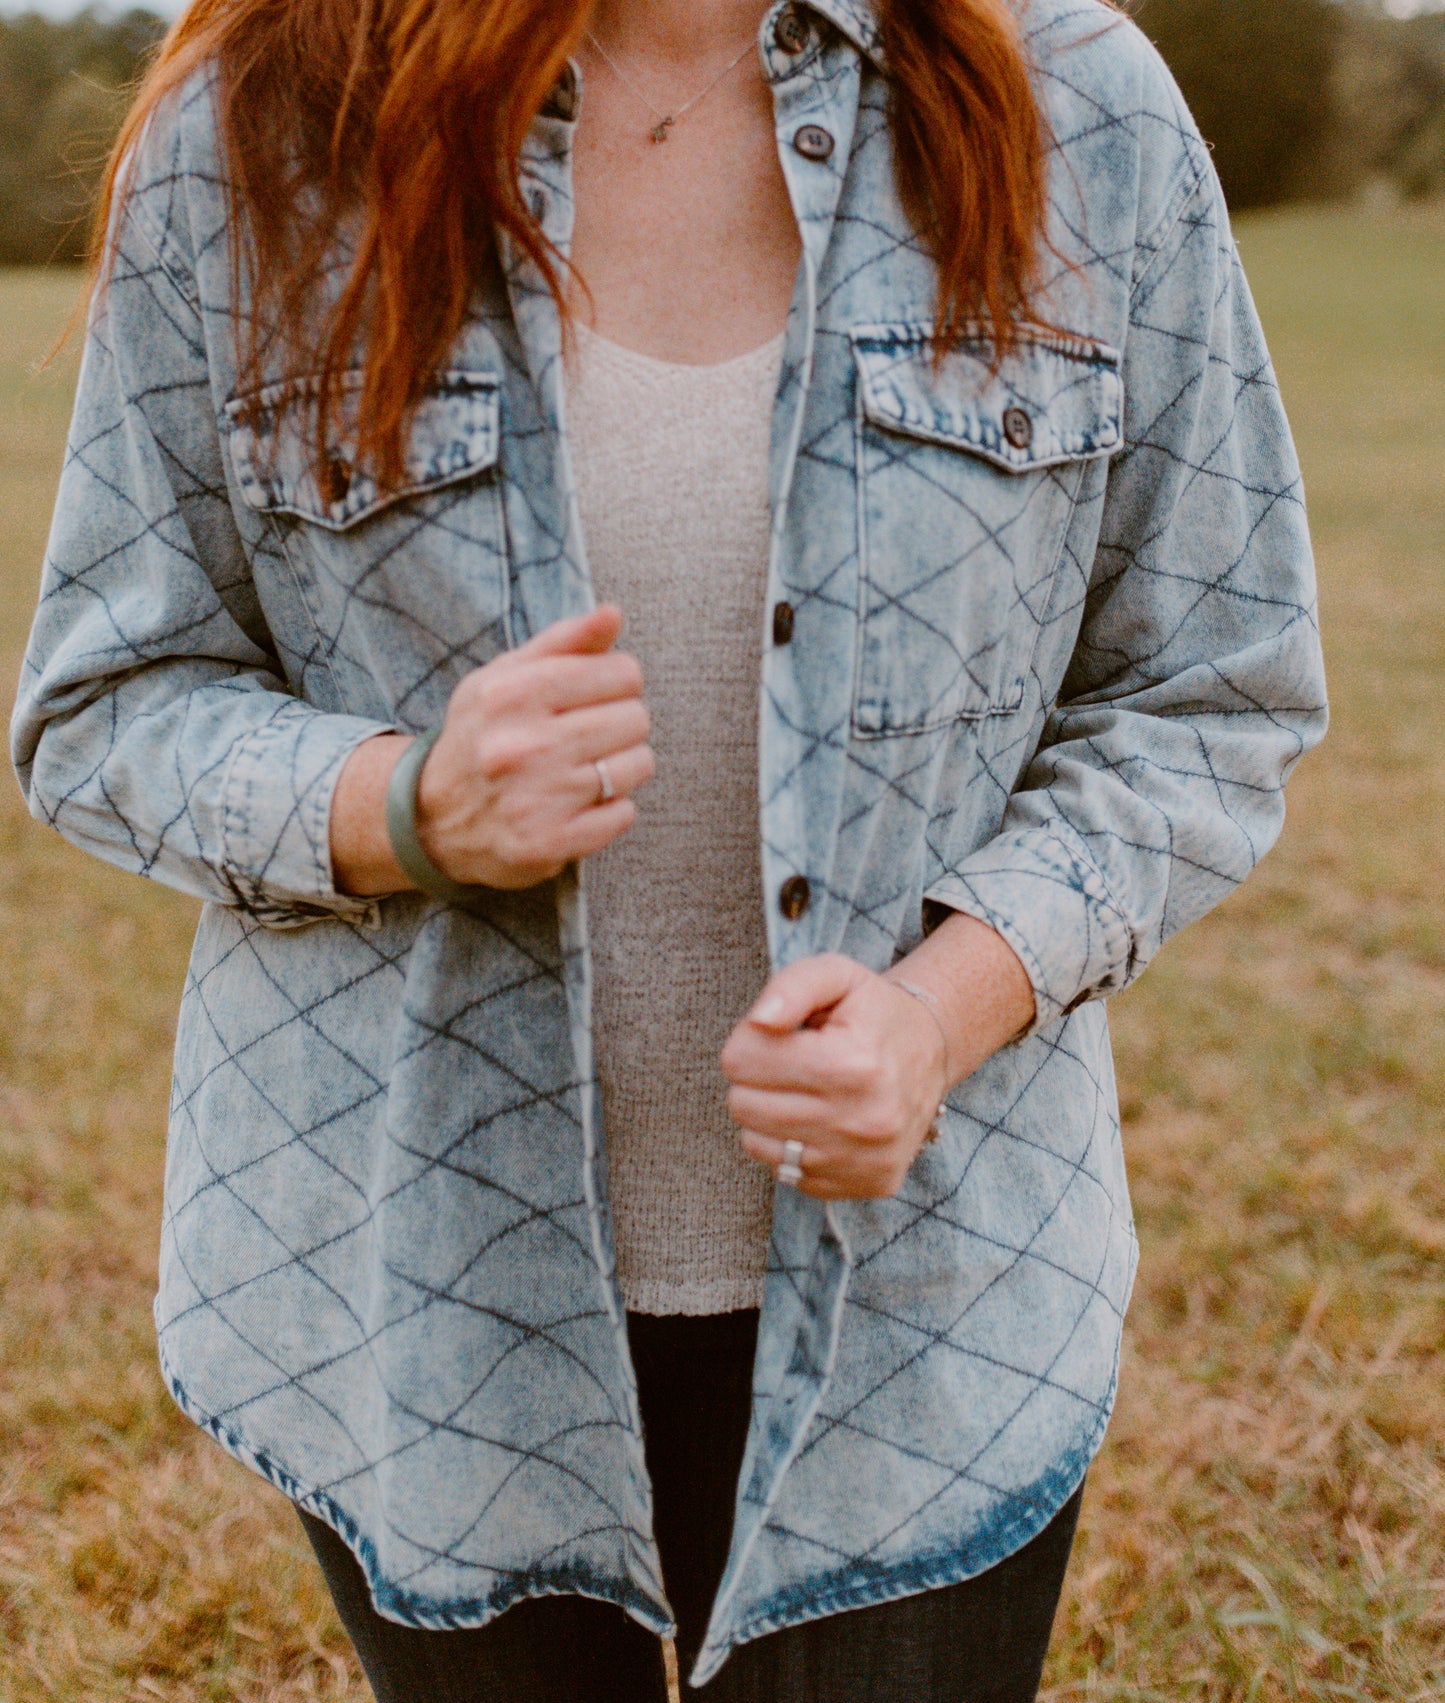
(401, 831)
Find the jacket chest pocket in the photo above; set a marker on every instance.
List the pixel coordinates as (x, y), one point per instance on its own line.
(967, 480)
(407, 587)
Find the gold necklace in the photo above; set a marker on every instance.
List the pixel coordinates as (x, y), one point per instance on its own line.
(663, 121)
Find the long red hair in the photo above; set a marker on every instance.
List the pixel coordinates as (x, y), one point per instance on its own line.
(406, 118)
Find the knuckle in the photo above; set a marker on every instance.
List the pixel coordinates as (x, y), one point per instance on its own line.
(636, 721)
(876, 1127)
(518, 748)
(734, 1057)
(495, 759)
(860, 1073)
(861, 1066)
(874, 1121)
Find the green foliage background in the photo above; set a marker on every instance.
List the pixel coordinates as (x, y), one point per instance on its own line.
(63, 92)
(1309, 99)
(1301, 99)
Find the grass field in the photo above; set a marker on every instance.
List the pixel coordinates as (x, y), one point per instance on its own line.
(1267, 1520)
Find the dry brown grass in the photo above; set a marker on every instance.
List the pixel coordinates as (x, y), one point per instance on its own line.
(1267, 1521)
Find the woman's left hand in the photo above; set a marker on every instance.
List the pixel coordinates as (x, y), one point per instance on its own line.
(838, 1058)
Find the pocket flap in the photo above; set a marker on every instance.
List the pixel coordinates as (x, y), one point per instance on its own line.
(1054, 397)
(453, 436)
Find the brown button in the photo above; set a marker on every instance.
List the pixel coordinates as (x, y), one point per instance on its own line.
(791, 31)
(782, 623)
(337, 479)
(1018, 428)
(793, 897)
(813, 142)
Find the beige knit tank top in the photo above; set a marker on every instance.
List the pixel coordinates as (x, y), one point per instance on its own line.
(671, 466)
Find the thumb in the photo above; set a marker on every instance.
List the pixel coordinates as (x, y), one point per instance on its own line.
(593, 631)
(810, 985)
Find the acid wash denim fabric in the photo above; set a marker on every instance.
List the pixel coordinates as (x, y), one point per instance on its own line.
(1054, 654)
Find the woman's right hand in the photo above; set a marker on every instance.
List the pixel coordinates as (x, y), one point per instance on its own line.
(510, 791)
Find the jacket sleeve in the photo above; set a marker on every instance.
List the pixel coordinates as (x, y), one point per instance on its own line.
(154, 726)
(1196, 681)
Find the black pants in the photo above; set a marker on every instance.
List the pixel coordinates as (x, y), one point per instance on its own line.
(983, 1641)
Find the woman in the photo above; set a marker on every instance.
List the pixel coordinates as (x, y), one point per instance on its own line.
(888, 363)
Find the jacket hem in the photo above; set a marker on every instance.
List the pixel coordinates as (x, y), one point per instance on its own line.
(856, 1587)
(410, 1608)
(952, 1567)
(797, 1605)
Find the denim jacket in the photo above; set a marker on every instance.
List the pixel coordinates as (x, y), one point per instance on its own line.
(1054, 652)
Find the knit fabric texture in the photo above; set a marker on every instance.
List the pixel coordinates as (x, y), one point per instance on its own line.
(671, 469)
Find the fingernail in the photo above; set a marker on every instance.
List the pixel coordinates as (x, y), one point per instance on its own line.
(768, 1009)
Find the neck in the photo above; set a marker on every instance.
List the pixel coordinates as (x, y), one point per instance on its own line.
(684, 31)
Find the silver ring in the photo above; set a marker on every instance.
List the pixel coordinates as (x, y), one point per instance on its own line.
(791, 1169)
(604, 781)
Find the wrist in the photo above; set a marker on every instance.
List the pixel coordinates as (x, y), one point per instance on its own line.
(401, 828)
(982, 993)
(362, 861)
(934, 1007)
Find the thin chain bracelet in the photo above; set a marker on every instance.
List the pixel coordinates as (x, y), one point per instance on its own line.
(934, 1007)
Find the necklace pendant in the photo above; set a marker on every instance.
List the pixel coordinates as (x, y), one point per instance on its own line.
(659, 131)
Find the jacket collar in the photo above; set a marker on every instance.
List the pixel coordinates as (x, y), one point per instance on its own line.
(858, 21)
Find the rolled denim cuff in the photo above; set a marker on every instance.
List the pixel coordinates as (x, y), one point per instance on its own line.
(276, 816)
(1042, 892)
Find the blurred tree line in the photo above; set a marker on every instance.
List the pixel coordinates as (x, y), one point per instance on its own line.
(1301, 99)
(1309, 99)
(63, 92)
